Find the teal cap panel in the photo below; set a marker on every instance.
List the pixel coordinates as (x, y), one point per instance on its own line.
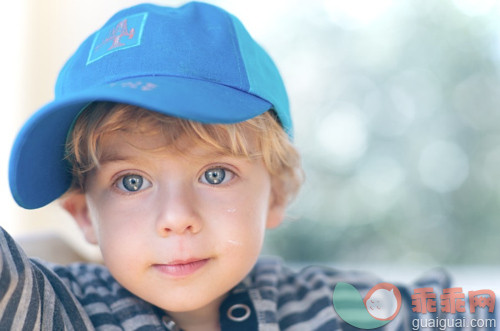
(263, 76)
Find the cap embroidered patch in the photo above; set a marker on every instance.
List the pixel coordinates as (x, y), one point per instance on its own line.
(117, 36)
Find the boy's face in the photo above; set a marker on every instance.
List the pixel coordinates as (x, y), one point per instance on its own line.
(177, 230)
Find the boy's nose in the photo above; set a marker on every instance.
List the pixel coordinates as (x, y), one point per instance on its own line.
(178, 214)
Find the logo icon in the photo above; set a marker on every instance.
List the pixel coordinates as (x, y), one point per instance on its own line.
(119, 31)
(118, 35)
(380, 305)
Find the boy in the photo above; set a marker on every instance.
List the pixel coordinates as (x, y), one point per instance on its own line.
(169, 142)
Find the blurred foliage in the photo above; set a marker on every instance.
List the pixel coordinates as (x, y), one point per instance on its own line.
(398, 121)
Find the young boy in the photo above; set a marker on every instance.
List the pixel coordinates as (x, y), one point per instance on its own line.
(169, 142)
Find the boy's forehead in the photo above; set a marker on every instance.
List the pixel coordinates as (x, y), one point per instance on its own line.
(123, 146)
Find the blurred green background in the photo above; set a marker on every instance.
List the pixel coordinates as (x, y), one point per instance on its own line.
(397, 113)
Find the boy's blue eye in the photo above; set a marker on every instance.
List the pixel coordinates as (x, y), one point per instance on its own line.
(214, 176)
(132, 183)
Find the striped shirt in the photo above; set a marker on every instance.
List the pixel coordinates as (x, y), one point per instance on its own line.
(36, 295)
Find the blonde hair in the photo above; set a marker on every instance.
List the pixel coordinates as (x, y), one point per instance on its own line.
(259, 137)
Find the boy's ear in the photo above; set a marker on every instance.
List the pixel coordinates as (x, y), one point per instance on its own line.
(277, 209)
(75, 203)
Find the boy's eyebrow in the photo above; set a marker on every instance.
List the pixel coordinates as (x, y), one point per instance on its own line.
(114, 157)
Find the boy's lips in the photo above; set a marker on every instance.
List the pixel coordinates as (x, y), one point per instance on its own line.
(181, 268)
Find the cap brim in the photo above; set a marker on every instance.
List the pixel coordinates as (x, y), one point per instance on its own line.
(37, 157)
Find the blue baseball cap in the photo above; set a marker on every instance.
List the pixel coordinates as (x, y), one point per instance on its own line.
(196, 62)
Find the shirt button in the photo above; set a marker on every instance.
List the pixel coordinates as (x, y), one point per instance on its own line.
(238, 312)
